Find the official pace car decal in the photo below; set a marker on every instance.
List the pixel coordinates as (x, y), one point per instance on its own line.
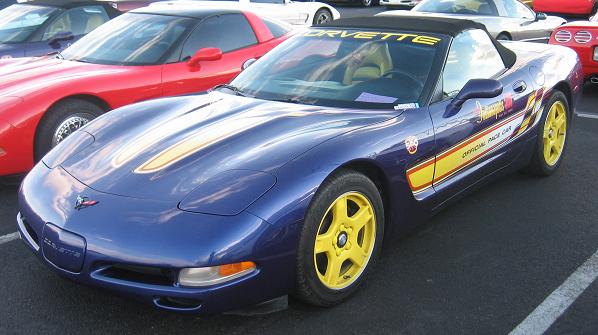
(435, 170)
(374, 35)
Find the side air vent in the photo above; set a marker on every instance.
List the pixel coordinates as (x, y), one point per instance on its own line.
(562, 36)
(583, 37)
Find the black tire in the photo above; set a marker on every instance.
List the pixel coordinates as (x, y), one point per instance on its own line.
(320, 15)
(56, 116)
(503, 37)
(538, 165)
(309, 288)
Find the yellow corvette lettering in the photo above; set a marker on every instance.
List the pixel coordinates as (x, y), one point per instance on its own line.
(374, 35)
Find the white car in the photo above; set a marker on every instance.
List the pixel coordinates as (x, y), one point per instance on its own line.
(295, 13)
(406, 3)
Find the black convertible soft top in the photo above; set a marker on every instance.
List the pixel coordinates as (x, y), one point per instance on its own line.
(429, 24)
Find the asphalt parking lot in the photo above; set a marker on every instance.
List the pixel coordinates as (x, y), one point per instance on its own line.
(482, 266)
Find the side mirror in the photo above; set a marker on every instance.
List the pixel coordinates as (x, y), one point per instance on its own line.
(540, 16)
(474, 89)
(204, 55)
(60, 37)
(248, 63)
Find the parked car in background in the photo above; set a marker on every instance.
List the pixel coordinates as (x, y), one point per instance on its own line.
(504, 19)
(571, 7)
(581, 36)
(295, 13)
(400, 3)
(39, 27)
(364, 3)
(144, 54)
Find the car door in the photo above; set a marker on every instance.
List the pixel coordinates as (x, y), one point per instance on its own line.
(232, 34)
(475, 140)
(78, 21)
(524, 22)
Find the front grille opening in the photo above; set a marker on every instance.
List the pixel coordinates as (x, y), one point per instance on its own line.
(140, 274)
(180, 303)
(30, 230)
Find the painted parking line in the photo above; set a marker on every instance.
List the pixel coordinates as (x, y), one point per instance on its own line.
(557, 303)
(9, 237)
(588, 116)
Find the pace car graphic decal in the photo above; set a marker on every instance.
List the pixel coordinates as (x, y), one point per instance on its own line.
(374, 35)
(434, 170)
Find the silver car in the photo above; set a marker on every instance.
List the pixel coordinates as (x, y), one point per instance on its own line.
(504, 19)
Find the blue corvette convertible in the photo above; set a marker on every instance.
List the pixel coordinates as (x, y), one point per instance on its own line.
(39, 27)
(288, 180)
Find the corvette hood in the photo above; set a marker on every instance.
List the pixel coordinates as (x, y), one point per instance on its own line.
(164, 149)
(19, 77)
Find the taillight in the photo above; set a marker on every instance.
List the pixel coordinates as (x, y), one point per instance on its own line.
(562, 36)
(583, 37)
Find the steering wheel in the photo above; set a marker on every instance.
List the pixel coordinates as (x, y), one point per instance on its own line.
(414, 80)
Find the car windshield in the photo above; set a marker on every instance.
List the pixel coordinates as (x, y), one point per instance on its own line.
(345, 68)
(468, 7)
(131, 39)
(21, 21)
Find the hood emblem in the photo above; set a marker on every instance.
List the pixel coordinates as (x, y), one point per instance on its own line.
(84, 202)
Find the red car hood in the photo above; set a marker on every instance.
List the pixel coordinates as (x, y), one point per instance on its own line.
(22, 76)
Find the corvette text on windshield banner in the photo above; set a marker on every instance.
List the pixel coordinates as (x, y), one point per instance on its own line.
(374, 36)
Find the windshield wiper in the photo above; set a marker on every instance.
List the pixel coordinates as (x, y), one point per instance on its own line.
(235, 89)
(290, 100)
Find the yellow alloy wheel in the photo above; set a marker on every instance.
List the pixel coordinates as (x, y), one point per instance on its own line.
(345, 240)
(555, 132)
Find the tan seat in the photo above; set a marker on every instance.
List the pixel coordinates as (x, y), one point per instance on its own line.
(93, 22)
(375, 64)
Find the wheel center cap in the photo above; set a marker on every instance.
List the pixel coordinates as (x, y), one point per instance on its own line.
(342, 239)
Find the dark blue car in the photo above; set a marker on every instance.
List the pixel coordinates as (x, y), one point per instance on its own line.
(39, 27)
(290, 179)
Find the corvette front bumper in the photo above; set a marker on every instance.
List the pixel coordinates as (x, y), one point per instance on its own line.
(136, 247)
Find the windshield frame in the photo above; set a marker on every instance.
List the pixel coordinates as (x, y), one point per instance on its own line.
(164, 59)
(430, 84)
(34, 35)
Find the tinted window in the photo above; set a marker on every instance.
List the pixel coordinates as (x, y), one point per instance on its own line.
(131, 39)
(516, 9)
(468, 7)
(21, 21)
(276, 28)
(228, 32)
(79, 21)
(346, 68)
(472, 56)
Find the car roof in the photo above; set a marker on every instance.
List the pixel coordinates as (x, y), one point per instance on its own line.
(437, 25)
(65, 3)
(196, 12)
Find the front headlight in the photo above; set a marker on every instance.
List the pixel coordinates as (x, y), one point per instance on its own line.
(198, 277)
(596, 53)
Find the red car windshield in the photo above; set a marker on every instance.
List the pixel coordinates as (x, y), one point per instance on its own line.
(131, 39)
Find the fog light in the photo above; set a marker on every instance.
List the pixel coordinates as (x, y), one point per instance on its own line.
(596, 54)
(215, 274)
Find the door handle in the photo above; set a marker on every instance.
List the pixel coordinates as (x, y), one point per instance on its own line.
(519, 86)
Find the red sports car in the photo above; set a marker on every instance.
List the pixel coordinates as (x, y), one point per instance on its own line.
(144, 54)
(573, 7)
(581, 36)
